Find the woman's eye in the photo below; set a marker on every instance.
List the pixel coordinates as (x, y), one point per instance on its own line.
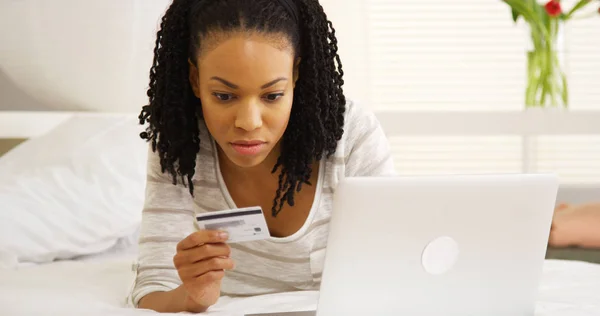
(223, 96)
(273, 96)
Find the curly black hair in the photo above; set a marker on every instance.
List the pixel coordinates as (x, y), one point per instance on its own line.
(317, 117)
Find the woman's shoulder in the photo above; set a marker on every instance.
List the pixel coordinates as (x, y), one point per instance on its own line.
(358, 119)
(360, 124)
(364, 146)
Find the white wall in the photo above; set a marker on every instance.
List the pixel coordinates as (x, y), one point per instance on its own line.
(95, 54)
(76, 55)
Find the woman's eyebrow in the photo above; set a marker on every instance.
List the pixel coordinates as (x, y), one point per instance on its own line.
(266, 85)
(234, 86)
(225, 82)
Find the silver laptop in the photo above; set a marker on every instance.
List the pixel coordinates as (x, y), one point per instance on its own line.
(436, 245)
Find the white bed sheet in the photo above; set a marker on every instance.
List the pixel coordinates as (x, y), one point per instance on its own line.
(98, 285)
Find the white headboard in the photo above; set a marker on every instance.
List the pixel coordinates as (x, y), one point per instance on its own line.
(526, 124)
(26, 124)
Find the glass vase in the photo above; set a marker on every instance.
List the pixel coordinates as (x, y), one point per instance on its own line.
(546, 79)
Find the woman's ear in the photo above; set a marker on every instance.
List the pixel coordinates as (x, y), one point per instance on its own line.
(194, 77)
(296, 70)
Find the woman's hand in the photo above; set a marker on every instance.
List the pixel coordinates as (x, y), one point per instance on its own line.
(576, 226)
(201, 261)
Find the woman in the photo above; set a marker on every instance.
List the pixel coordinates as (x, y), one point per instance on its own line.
(246, 108)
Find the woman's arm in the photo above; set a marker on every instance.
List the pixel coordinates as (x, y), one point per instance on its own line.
(164, 302)
(173, 301)
(167, 218)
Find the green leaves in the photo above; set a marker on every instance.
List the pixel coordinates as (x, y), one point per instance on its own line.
(533, 12)
(515, 15)
(529, 10)
(580, 4)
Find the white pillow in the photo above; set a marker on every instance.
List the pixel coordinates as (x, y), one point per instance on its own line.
(74, 191)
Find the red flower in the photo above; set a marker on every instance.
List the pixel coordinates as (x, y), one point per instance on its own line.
(553, 8)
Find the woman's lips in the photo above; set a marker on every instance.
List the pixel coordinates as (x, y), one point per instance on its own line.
(248, 148)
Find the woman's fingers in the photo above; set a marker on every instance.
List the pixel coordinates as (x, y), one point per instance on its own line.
(202, 267)
(200, 253)
(200, 238)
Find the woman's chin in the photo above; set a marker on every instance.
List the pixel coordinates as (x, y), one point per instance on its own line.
(246, 161)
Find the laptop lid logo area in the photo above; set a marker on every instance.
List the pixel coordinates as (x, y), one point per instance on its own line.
(440, 255)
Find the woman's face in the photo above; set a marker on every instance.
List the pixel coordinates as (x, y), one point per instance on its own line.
(246, 86)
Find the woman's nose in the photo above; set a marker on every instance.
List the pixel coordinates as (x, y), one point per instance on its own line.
(249, 116)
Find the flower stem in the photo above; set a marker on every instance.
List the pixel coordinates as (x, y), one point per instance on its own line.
(546, 81)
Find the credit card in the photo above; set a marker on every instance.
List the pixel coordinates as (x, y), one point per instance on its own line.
(242, 224)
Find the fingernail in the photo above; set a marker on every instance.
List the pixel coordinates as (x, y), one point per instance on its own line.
(223, 235)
